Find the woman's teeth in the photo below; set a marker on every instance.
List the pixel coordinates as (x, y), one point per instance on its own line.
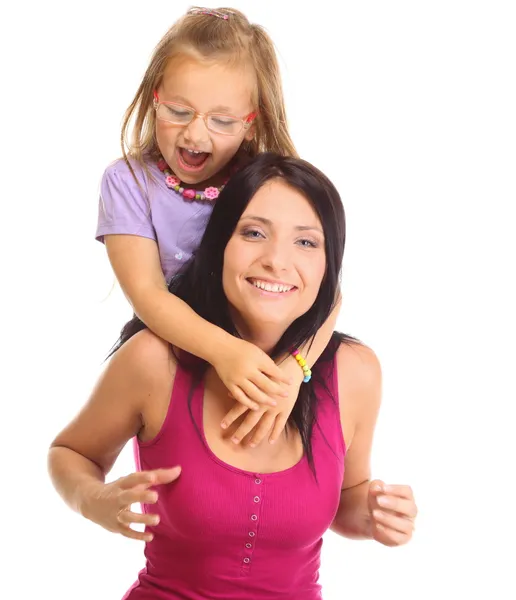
(271, 287)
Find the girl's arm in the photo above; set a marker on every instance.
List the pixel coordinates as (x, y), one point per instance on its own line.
(250, 375)
(272, 421)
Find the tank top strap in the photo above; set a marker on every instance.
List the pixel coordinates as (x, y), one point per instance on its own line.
(328, 418)
(184, 397)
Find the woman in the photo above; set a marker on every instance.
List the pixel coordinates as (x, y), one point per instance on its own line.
(267, 270)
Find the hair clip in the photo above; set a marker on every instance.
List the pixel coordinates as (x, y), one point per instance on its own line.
(208, 11)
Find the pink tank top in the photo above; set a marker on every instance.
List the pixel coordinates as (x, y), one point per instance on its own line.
(230, 534)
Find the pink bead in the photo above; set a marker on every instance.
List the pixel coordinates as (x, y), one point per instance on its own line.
(172, 181)
(162, 165)
(190, 194)
(211, 193)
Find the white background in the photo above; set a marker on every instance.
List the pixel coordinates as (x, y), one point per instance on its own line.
(410, 108)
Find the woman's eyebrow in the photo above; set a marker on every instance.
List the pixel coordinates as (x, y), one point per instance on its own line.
(269, 223)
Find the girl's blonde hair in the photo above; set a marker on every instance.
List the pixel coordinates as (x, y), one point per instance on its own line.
(226, 35)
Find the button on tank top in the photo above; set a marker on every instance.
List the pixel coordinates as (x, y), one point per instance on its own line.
(231, 534)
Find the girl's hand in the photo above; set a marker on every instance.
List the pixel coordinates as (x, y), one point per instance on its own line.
(267, 420)
(261, 422)
(110, 504)
(393, 511)
(250, 375)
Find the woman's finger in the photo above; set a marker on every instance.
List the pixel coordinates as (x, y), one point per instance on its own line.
(392, 521)
(402, 491)
(126, 517)
(235, 413)
(146, 478)
(390, 537)
(402, 506)
(144, 536)
(138, 494)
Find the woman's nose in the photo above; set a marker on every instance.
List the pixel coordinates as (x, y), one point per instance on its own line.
(276, 257)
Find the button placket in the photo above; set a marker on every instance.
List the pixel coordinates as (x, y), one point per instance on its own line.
(254, 518)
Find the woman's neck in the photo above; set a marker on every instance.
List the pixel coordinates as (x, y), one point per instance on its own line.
(263, 336)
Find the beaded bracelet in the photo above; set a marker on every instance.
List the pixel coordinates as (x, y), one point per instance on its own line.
(302, 363)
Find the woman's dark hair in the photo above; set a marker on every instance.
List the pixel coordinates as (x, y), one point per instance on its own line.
(199, 284)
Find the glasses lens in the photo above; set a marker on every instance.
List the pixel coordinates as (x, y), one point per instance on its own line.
(174, 113)
(224, 125)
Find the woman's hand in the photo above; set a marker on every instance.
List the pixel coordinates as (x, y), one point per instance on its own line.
(109, 505)
(392, 511)
(251, 376)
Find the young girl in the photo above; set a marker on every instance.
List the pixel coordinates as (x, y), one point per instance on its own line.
(211, 98)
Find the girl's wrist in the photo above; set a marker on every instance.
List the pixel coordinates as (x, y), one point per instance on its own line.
(291, 367)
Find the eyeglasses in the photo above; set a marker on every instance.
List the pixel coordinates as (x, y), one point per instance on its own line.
(178, 114)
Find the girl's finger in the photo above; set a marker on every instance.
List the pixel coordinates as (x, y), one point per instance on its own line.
(144, 536)
(271, 369)
(262, 428)
(240, 396)
(269, 386)
(249, 423)
(126, 517)
(279, 426)
(235, 413)
(253, 391)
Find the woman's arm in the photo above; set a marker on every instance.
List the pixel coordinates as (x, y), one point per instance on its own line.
(138, 376)
(360, 382)
(246, 371)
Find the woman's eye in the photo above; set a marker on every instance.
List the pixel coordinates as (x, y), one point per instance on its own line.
(307, 243)
(252, 234)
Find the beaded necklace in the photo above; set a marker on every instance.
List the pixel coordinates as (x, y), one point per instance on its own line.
(210, 194)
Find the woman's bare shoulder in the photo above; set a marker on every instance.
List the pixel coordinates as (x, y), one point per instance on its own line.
(360, 385)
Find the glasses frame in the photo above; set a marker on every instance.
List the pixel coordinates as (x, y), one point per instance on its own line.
(246, 121)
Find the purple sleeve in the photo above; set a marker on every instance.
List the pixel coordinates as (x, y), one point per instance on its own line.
(124, 207)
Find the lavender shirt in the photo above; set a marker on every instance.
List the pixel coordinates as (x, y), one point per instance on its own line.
(153, 211)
